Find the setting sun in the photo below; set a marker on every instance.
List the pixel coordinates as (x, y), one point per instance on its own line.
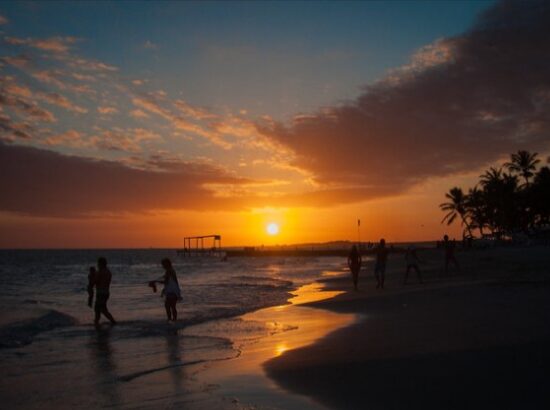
(272, 229)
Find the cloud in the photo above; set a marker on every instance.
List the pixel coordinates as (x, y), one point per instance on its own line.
(3, 20)
(19, 61)
(64, 102)
(461, 103)
(41, 182)
(119, 139)
(52, 44)
(139, 114)
(107, 110)
(12, 130)
(70, 138)
(153, 103)
(19, 98)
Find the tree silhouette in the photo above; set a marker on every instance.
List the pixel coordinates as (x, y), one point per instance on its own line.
(523, 163)
(455, 207)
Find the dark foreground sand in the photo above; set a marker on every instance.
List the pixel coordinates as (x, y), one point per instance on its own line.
(449, 344)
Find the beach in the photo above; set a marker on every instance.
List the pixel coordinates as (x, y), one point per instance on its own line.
(478, 339)
(472, 338)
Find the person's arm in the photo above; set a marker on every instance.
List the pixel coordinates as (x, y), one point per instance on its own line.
(153, 284)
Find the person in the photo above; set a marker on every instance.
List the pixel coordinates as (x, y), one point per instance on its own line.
(354, 264)
(449, 248)
(412, 261)
(380, 266)
(101, 280)
(171, 290)
(90, 288)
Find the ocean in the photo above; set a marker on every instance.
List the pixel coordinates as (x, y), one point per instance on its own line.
(52, 354)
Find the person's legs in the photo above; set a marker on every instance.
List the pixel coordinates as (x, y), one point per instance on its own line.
(377, 276)
(174, 311)
(168, 309)
(417, 269)
(97, 312)
(355, 273)
(108, 315)
(407, 274)
(382, 275)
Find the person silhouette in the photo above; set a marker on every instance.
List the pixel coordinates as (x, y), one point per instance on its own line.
(354, 264)
(101, 280)
(171, 290)
(380, 266)
(449, 248)
(412, 261)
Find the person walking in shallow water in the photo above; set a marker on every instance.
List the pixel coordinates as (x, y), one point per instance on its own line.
(171, 290)
(354, 264)
(380, 266)
(101, 281)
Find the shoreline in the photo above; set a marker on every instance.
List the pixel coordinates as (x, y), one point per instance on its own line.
(450, 343)
(290, 326)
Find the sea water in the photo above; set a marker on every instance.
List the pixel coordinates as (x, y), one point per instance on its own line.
(53, 356)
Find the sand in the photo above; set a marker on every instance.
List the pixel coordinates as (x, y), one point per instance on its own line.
(479, 339)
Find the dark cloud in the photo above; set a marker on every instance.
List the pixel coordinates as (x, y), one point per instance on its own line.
(41, 182)
(461, 103)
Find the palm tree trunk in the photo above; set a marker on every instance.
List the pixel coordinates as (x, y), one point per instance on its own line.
(467, 225)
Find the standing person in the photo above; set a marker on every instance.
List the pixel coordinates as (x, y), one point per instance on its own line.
(101, 280)
(449, 248)
(171, 290)
(380, 267)
(354, 264)
(412, 260)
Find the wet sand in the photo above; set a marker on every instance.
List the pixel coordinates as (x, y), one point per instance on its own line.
(479, 339)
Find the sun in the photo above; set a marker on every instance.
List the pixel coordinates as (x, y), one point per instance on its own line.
(272, 229)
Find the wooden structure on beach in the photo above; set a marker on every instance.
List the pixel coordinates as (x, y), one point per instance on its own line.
(195, 246)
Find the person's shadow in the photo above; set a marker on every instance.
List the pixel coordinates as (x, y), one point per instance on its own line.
(174, 359)
(104, 366)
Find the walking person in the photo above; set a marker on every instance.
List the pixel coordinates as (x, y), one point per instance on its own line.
(101, 281)
(354, 264)
(380, 266)
(412, 261)
(171, 290)
(449, 248)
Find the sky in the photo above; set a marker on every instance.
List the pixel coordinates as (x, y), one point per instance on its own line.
(134, 124)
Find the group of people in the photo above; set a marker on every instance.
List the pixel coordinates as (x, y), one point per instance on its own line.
(99, 280)
(411, 258)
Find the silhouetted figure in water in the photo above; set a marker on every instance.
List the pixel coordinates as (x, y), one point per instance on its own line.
(380, 267)
(91, 277)
(412, 263)
(354, 264)
(449, 248)
(101, 280)
(171, 290)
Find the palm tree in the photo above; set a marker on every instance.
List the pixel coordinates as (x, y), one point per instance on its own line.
(523, 163)
(476, 208)
(455, 207)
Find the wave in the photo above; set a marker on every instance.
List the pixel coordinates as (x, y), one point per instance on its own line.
(22, 333)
